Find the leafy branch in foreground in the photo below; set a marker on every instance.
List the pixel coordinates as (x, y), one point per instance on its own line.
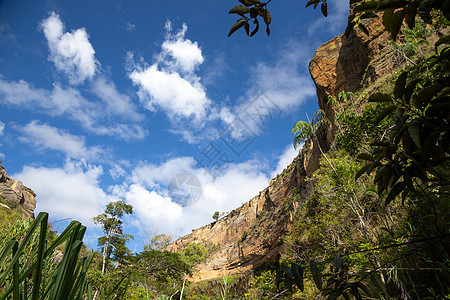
(251, 10)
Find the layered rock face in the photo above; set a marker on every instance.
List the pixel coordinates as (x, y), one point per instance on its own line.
(252, 234)
(14, 195)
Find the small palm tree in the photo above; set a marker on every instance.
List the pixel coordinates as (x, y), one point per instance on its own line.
(303, 131)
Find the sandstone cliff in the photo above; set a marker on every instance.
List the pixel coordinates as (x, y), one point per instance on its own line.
(252, 234)
(14, 195)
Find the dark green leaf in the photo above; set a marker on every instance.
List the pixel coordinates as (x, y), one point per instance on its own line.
(247, 28)
(409, 89)
(324, 9)
(400, 85)
(316, 273)
(387, 16)
(425, 9)
(310, 2)
(414, 131)
(424, 96)
(366, 6)
(395, 191)
(268, 30)
(362, 171)
(410, 13)
(396, 22)
(265, 14)
(298, 275)
(256, 28)
(365, 156)
(239, 9)
(236, 26)
(386, 111)
(379, 97)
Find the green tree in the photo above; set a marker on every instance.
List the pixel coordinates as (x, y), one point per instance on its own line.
(159, 242)
(114, 240)
(216, 215)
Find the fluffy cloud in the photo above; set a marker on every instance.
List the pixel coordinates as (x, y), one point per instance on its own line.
(150, 191)
(277, 88)
(71, 52)
(170, 83)
(97, 117)
(2, 127)
(43, 137)
(69, 192)
(186, 54)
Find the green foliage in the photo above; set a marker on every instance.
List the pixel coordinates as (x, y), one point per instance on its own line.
(216, 215)
(194, 254)
(158, 242)
(250, 10)
(113, 243)
(305, 130)
(30, 273)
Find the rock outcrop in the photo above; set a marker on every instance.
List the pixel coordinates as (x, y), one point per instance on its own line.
(252, 234)
(14, 195)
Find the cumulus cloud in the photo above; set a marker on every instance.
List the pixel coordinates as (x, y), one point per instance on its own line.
(44, 136)
(97, 117)
(2, 128)
(149, 191)
(170, 83)
(72, 191)
(71, 52)
(277, 88)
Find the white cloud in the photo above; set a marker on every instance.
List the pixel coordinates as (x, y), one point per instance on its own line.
(68, 192)
(277, 88)
(186, 54)
(71, 52)
(169, 91)
(43, 136)
(170, 83)
(285, 159)
(96, 117)
(334, 23)
(117, 104)
(149, 192)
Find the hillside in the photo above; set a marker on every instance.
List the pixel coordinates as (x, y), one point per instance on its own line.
(251, 235)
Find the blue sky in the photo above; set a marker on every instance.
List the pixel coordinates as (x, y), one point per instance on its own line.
(108, 100)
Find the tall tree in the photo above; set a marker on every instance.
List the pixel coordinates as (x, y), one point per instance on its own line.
(114, 240)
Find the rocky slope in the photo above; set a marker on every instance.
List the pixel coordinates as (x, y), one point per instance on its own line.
(251, 235)
(14, 195)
